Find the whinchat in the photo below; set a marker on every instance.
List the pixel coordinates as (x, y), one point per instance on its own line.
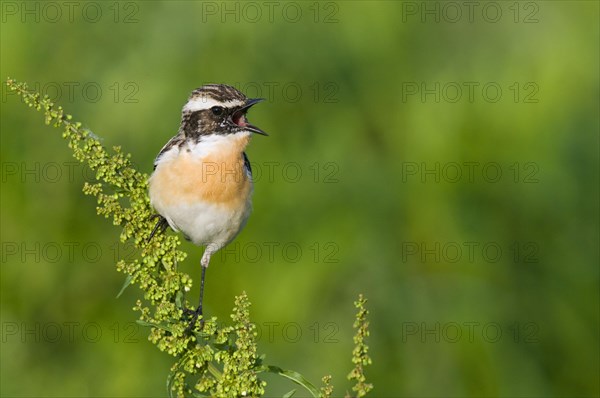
(202, 179)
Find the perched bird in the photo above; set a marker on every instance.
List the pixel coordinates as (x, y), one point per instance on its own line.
(202, 180)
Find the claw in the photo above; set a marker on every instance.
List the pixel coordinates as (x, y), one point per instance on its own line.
(194, 314)
(161, 225)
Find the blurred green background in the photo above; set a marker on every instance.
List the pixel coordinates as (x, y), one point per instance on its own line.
(441, 158)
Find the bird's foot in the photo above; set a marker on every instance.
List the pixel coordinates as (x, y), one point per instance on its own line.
(160, 226)
(193, 316)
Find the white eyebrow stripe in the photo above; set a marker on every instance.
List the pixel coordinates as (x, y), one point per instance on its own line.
(203, 103)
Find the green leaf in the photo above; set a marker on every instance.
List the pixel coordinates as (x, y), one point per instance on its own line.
(125, 285)
(144, 323)
(170, 380)
(154, 325)
(295, 377)
(179, 299)
(290, 394)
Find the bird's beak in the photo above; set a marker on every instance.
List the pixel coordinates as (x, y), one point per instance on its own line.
(239, 116)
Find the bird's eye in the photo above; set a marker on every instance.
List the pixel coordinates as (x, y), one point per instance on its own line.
(217, 110)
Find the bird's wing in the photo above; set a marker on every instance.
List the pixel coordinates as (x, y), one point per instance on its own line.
(175, 141)
(247, 167)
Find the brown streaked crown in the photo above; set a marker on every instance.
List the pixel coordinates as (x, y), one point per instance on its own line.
(219, 93)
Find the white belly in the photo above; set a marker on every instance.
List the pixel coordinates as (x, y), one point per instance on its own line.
(204, 223)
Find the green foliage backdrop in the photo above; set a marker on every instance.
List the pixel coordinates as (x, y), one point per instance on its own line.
(478, 283)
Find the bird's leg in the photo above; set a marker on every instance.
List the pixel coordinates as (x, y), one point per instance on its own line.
(161, 225)
(198, 312)
(204, 264)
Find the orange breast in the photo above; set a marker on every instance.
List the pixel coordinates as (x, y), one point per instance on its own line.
(217, 178)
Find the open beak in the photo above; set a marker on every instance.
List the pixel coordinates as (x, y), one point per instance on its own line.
(239, 116)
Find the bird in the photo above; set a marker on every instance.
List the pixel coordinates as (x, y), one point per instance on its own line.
(202, 183)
